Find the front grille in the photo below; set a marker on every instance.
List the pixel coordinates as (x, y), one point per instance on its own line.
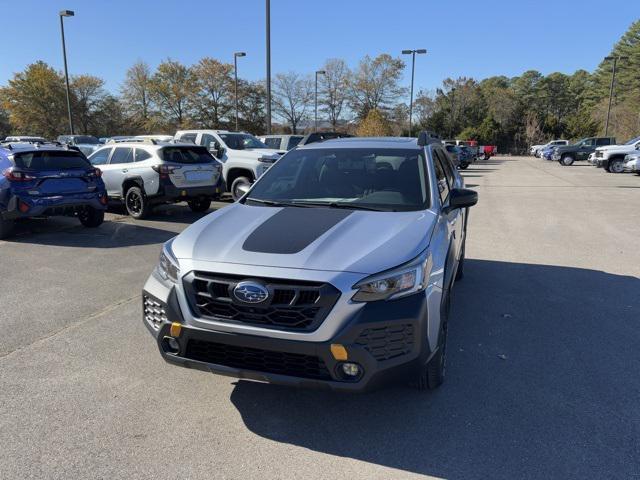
(246, 358)
(153, 311)
(388, 342)
(599, 154)
(291, 305)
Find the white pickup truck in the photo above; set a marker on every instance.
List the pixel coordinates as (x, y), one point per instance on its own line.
(612, 157)
(243, 156)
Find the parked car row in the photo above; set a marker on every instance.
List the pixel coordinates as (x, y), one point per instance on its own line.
(602, 152)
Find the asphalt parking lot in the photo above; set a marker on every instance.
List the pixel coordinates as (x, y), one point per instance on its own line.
(543, 362)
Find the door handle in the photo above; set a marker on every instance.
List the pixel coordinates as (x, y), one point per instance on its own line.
(125, 170)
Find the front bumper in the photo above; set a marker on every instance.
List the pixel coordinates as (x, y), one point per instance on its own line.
(632, 166)
(388, 340)
(51, 206)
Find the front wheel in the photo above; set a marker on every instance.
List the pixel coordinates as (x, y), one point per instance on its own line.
(6, 228)
(431, 375)
(239, 186)
(616, 166)
(136, 203)
(91, 218)
(199, 205)
(567, 160)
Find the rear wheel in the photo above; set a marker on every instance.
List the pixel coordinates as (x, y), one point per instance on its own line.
(6, 228)
(199, 204)
(136, 203)
(237, 187)
(567, 160)
(616, 166)
(91, 218)
(464, 165)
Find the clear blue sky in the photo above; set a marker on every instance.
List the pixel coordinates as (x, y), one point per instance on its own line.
(466, 37)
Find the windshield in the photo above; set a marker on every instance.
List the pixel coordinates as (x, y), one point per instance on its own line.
(633, 140)
(186, 155)
(241, 141)
(88, 139)
(371, 179)
(63, 160)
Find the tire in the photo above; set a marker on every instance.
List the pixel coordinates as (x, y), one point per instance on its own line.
(616, 166)
(235, 193)
(6, 228)
(567, 160)
(464, 165)
(460, 271)
(432, 374)
(199, 205)
(91, 218)
(136, 203)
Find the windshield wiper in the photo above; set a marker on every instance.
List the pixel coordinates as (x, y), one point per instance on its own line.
(347, 205)
(274, 203)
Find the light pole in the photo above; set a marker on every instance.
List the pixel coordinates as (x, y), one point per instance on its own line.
(235, 73)
(66, 13)
(268, 18)
(413, 68)
(613, 81)
(318, 72)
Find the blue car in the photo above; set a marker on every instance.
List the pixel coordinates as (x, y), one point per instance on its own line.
(48, 180)
(547, 152)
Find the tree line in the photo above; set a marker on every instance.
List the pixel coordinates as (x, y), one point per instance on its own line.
(366, 99)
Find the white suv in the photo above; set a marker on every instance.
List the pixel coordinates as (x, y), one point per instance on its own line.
(244, 157)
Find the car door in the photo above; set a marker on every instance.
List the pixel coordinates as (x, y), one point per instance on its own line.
(456, 218)
(100, 159)
(450, 221)
(587, 147)
(119, 164)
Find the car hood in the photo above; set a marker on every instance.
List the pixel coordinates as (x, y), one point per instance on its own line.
(616, 148)
(256, 153)
(307, 238)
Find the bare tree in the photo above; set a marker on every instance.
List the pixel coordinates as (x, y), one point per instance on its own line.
(333, 89)
(135, 93)
(292, 95)
(375, 84)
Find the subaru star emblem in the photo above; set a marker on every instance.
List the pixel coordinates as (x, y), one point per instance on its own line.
(250, 292)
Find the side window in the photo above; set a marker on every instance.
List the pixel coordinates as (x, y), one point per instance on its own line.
(588, 143)
(441, 178)
(448, 167)
(188, 137)
(293, 142)
(272, 142)
(100, 157)
(603, 141)
(122, 155)
(206, 139)
(142, 155)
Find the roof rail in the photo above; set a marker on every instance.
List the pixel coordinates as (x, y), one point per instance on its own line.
(132, 140)
(426, 138)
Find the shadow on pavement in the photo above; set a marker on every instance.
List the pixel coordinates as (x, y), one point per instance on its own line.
(69, 233)
(542, 382)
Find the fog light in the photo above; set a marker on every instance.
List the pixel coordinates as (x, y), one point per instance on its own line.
(351, 369)
(171, 345)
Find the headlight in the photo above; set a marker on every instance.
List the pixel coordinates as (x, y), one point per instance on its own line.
(168, 268)
(399, 282)
(217, 169)
(266, 159)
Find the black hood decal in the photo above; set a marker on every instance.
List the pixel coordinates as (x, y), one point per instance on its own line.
(292, 229)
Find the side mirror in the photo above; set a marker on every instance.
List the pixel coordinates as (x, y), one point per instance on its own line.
(461, 198)
(220, 152)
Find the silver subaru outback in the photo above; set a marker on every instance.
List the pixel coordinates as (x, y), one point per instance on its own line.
(334, 270)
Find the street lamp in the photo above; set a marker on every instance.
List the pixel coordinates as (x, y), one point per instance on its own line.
(613, 80)
(66, 13)
(268, 42)
(235, 72)
(318, 72)
(413, 67)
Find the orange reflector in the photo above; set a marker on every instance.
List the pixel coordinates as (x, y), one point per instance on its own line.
(339, 352)
(175, 329)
